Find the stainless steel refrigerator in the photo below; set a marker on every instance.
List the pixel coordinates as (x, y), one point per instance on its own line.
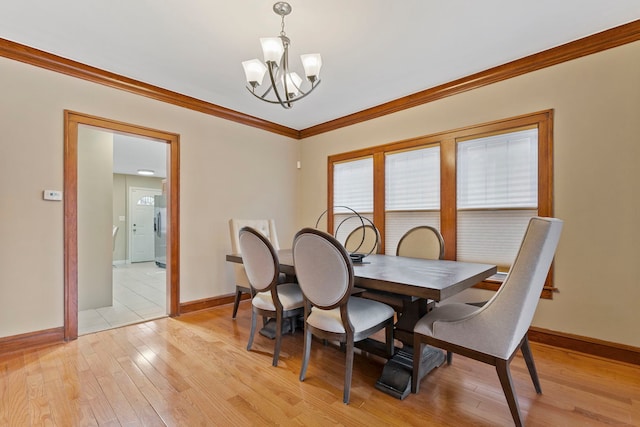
(160, 230)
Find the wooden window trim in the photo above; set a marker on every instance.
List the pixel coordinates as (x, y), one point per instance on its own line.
(543, 120)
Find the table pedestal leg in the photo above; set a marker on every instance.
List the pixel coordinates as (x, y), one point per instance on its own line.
(396, 374)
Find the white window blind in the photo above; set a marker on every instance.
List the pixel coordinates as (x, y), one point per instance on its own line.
(353, 188)
(412, 192)
(497, 191)
(499, 171)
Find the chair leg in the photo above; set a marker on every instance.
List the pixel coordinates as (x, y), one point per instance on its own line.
(449, 357)
(348, 372)
(502, 367)
(276, 350)
(418, 347)
(236, 303)
(253, 329)
(305, 353)
(528, 358)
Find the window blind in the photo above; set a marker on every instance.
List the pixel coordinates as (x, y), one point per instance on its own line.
(353, 185)
(497, 193)
(412, 192)
(499, 171)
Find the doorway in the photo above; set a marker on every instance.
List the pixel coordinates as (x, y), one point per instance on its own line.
(72, 123)
(142, 203)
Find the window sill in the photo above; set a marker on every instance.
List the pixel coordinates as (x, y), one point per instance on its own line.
(494, 282)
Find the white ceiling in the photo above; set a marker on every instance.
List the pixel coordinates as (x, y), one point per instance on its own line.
(373, 51)
(131, 153)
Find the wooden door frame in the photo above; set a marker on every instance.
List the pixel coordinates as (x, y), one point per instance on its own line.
(71, 122)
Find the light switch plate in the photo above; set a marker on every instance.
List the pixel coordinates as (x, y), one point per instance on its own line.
(52, 195)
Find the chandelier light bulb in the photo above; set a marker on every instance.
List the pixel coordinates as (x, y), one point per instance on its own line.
(272, 49)
(254, 71)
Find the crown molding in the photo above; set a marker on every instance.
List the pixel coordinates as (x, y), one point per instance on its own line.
(595, 43)
(39, 58)
(604, 40)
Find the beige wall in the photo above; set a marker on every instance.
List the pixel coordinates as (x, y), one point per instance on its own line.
(227, 170)
(95, 204)
(597, 151)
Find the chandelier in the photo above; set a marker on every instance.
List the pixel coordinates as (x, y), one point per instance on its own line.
(285, 85)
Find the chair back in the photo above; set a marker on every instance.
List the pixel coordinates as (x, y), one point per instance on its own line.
(265, 226)
(509, 313)
(323, 268)
(259, 258)
(423, 241)
(363, 240)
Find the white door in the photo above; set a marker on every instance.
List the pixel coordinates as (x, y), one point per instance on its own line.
(141, 223)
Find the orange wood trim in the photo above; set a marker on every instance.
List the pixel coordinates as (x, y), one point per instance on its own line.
(71, 122)
(70, 227)
(592, 346)
(604, 40)
(205, 303)
(173, 237)
(31, 339)
(448, 192)
(379, 213)
(48, 61)
(547, 292)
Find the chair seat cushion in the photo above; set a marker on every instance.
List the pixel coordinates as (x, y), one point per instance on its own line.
(445, 312)
(363, 314)
(289, 293)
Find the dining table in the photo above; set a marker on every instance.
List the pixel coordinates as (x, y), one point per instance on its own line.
(412, 286)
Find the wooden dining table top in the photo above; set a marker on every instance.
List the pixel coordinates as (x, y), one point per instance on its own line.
(414, 277)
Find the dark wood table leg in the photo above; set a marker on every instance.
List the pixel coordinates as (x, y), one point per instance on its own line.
(395, 379)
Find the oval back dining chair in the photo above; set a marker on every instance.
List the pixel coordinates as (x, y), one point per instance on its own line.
(494, 333)
(325, 274)
(421, 242)
(268, 229)
(270, 298)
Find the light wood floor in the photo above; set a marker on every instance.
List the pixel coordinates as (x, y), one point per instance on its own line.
(195, 370)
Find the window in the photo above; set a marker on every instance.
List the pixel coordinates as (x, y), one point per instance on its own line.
(352, 189)
(145, 201)
(478, 185)
(412, 189)
(497, 179)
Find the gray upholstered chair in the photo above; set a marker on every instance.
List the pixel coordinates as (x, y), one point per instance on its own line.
(270, 299)
(325, 274)
(421, 242)
(265, 226)
(494, 333)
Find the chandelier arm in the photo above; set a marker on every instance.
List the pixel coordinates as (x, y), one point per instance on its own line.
(278, 102)
(284, 65)
(275, 89)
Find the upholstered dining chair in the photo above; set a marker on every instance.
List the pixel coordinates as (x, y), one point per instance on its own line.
(270, 298)
(494, 333)
(265, 226)
(423, 241)
(325, 274)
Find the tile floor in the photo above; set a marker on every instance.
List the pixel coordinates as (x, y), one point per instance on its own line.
(139, 294)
